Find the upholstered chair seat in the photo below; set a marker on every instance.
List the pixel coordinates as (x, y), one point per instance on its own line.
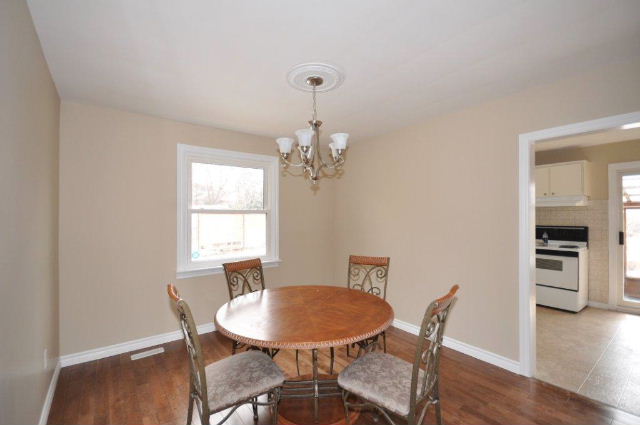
(241, 377)
(394, 386)
(382, 379)
(227, 383)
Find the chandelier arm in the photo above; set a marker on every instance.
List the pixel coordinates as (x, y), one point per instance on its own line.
(284, 161)
(335, 165)
(291, 164)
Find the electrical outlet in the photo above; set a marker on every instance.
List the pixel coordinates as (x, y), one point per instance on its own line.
(45, 358)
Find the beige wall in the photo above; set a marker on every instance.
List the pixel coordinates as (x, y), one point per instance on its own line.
(118, 226)
(600, 157)
(29, 111)
(441, 198)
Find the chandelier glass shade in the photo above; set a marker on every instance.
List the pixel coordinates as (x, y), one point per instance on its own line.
(308, 145)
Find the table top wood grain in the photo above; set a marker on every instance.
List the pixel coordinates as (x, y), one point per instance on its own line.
(303, 317)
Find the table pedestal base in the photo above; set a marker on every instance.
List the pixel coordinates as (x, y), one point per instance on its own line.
(299, 410)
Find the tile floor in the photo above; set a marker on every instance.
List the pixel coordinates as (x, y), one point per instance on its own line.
(595, 353)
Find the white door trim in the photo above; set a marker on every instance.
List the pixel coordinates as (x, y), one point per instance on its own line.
(526, 225)
(615, 200)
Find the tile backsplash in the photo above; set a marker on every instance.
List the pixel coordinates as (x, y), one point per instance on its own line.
(595, 215)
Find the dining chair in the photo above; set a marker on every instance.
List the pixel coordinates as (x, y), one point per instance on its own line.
(394, 386)
(369, 274)
(244, 277)
(227, 383)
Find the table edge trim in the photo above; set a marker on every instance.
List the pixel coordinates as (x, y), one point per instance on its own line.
(304, 345)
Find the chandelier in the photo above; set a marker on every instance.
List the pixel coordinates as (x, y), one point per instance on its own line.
(314, 78)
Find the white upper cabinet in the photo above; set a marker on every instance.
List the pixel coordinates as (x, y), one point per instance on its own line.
(566, 180)
(542, 182)
(562, 184)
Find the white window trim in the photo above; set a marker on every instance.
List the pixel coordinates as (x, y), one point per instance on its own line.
(188, 154)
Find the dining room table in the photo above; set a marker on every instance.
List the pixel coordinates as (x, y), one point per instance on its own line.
(305, 317)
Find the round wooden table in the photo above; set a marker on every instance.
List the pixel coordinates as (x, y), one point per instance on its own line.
(306, 318)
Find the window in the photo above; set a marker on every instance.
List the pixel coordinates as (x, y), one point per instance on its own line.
(227, 209)
(631, 223)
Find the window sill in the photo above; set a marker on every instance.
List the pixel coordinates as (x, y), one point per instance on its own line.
(185, 274)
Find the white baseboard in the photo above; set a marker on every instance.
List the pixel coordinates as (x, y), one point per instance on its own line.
(464, 348)
(613, 307)
(603, 306)
(406, 326)
(46, 407)
(125, 347)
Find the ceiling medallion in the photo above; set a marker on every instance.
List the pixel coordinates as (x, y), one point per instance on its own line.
(314, 78)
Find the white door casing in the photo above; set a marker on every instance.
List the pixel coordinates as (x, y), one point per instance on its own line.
(616, 251)
(526, 224)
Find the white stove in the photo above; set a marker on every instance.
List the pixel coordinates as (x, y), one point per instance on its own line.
(562, 267)
(562, 245)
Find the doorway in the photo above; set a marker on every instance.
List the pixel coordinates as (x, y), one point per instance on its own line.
(526, 223)
(624, 228)
(587, 349)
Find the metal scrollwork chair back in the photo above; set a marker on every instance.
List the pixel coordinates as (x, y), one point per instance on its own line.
(198, 378)
(244, 277)
(369, 274)
(428, 356)
(424, 389)
(245, 386)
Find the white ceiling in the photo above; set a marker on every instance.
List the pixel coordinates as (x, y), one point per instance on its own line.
(590, 139)
(224, 62)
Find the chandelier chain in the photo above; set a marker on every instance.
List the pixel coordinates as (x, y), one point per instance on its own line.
(315, 108)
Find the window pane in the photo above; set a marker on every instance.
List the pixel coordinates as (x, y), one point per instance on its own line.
(631, 188)
(226, 187)
(225, 236)
(632, 248)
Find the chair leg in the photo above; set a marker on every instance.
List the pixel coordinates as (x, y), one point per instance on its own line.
(345, 395)
(205, 418)
(298, 361)
(333, 357)
(205, 421)
(276, 400)
(190, 410)
(255, 410)
(437, 404)
(384, 341)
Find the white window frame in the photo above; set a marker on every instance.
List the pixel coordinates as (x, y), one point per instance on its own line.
(187, 155)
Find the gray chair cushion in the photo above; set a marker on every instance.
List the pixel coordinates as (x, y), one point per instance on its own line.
(382, 379)
(239, 377)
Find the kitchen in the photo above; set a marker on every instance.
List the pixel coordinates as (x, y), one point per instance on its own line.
(587, 188)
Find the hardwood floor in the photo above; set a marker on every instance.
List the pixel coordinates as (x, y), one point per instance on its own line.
(153, 390)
